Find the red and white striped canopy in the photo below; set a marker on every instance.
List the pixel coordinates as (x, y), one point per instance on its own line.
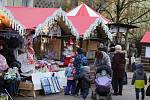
(85, 20)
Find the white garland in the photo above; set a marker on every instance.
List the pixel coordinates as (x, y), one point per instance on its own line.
(93, 26)
(15, 24)
(50, 20)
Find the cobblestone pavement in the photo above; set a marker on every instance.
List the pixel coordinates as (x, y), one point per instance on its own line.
(128, 94)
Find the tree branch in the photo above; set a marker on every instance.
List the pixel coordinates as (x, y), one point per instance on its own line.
(140, 21)
(139, 16)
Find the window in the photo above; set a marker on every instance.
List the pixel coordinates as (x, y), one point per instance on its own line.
(25, 3)
(2, 3)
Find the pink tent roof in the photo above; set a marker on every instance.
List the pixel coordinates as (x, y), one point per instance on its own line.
(146, 38)
(81, 24)
(84, 10)
(23, 18)
(86, 19)
(31, 17)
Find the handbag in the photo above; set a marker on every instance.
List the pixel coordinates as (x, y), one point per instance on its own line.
(148, 91)
(125, 80)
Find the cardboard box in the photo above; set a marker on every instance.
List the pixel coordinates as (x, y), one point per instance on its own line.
(26, 86)
(28, 93)
(4, 97)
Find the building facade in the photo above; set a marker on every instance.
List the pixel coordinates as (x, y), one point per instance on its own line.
(32, 3)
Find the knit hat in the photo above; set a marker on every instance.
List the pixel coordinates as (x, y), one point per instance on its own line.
(86, 68)
(80, 50)
(118, 47)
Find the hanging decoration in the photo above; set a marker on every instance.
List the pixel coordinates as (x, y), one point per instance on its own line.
(15, 24)
(52, 30)
(29, 49)
(51, 23)
(68, 51)
(4, 21)
(93, 26)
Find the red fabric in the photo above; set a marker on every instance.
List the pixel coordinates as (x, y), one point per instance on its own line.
(82, 23)
(31, 17)
(146, 38)
(67, 61)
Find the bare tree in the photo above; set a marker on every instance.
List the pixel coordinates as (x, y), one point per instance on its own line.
(125, 11)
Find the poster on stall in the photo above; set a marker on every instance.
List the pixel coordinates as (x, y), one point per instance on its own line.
(147, 52)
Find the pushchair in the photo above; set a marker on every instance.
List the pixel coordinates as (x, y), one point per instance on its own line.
(103, 90)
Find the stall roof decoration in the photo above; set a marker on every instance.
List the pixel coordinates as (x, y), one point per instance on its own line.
(4, 21)
(23, 18)
(146, 38)
(51, 20)
(86, 20)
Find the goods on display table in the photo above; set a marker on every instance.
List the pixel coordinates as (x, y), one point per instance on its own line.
(35, 73)
(49, 69)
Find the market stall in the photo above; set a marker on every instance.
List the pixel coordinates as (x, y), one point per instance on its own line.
(145, 51)
(89, 25)
(26, 22)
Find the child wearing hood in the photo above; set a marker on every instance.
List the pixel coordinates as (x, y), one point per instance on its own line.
(69, 73)
(85, 77)
(139, 80)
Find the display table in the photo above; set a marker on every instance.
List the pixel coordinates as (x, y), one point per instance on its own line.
(36, 77)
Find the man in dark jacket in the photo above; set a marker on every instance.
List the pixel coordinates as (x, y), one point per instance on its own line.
(118, 67)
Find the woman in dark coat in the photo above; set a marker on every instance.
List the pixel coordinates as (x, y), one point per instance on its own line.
(118, 67)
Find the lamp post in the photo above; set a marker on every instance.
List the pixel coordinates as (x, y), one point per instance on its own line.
(119, 29)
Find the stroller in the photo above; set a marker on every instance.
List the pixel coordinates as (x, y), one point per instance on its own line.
(103, 84)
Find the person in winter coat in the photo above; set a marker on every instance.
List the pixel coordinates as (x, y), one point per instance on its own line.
(85, 77)
(69, 73)
(118, 67)
(79, 61)
(101, 59)
(139, 80)
(148, 89)
(3, 64)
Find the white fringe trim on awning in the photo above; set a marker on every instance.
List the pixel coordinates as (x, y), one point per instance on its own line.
(15, 24)
(51, 20)
(90, 30)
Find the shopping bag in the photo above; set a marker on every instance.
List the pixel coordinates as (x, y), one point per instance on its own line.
(148, 91)
(125, 79)
(46, 86)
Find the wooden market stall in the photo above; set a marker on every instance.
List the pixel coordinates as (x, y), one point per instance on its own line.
(26, 21)
(31, 23)
(145, 53)
(91, 26)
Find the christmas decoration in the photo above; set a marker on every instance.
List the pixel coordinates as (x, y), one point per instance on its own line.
(68, 51)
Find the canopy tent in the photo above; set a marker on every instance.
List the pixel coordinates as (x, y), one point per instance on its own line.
(86, 20)
(24, 18)
(146, 38)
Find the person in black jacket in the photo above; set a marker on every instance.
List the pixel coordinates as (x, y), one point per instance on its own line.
(85, 77)
(7, 53)
(118, 67)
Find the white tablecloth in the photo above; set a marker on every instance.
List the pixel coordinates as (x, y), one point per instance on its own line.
(37, 76)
